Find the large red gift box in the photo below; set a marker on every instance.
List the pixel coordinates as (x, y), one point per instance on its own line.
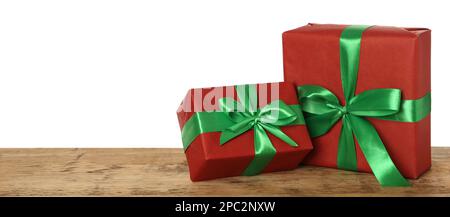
(208, 159)
(390, 57)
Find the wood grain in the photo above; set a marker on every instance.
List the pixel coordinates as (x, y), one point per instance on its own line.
(163, 172)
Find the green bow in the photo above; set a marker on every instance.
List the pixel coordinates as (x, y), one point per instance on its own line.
(269, 118)
(234, 118)
(323, 110)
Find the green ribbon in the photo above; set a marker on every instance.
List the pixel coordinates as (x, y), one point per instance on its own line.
(322, 110)
(234, 118)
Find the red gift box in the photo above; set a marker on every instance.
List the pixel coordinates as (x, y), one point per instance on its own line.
(208, 159)
(390, 57)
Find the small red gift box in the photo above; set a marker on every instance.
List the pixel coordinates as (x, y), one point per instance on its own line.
(242, 130)
(361, 59)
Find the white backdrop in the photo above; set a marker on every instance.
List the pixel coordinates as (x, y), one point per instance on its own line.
(90, 73)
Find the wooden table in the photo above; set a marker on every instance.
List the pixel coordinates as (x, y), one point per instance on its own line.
(163, 172)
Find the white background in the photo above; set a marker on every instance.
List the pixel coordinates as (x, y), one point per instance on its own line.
(112, 73)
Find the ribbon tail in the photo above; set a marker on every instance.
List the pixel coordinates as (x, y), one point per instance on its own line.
(264, 152)
(276, 131)
(235, 130)
(376, 154)
(346, 158)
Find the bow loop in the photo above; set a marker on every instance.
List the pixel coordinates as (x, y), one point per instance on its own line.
(320, 124)
(248, 97)
(317, 100)
(230, 106)
(375, 103)
(277, 113)
(267, 118)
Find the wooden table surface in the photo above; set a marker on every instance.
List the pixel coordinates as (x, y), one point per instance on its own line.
(163, 172)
